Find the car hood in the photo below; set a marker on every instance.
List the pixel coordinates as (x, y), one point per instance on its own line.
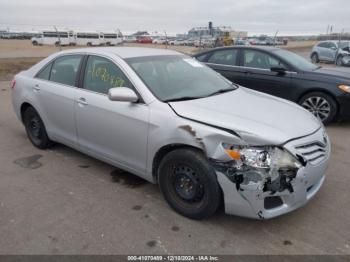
(258, 118)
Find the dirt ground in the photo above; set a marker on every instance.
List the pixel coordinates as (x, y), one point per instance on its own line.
(60, 201)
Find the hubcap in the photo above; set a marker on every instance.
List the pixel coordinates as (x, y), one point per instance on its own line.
(318, 106)
(187, 185)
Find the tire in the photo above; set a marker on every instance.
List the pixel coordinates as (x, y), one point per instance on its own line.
(339, 61)
(314, 58)
(57, 44)
(89, 44)
(35, 129)
(189, 184)
(321, 105)
(35, 43)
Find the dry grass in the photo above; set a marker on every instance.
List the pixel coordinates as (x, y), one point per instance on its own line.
(11, 66)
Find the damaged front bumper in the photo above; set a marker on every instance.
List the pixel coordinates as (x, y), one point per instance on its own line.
(262, 201)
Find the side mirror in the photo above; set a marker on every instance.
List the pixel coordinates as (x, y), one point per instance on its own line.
(279, 70)
(333, 48)
(122, 94)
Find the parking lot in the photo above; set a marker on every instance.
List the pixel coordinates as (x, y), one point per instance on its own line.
(60, 201)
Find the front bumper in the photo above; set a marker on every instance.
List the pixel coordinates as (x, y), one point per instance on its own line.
(346, 60)
(344, 105)
(251, 200)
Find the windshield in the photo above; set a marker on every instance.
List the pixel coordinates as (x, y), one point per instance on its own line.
(295, 60)
(177, 77)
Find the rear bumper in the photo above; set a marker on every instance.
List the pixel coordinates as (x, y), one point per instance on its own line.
(251, 201)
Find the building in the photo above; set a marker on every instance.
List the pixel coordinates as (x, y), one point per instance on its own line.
(216, 31)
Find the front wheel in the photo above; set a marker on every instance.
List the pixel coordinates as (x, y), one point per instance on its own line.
(339, 61)
(321, 105)
(35, 129)
(314, 58)
(189, 184)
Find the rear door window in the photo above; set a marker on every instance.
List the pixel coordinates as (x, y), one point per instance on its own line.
(224, 57)
(102, 74)
(45, 72)
(323, 44)
(261, 60)
(65, 69)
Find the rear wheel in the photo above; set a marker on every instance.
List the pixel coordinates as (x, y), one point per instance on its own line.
(35, 129)
(188, 183)
(314, 58)
(321, 105)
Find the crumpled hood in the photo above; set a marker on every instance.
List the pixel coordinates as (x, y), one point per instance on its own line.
(258, 118)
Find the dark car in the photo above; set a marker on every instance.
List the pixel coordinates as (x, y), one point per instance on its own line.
(324, 92)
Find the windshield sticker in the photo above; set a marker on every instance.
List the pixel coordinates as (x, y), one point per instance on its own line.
(193, 62)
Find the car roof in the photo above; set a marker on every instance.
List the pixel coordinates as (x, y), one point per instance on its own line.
(266, 48)
(123, 52)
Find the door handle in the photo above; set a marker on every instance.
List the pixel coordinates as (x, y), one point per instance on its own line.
(36, 87)
(82, 101)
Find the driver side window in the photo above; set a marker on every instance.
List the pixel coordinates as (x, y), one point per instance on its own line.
(102, 74)
(261, 60)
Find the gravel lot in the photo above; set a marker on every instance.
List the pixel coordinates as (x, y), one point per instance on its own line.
(60, 201)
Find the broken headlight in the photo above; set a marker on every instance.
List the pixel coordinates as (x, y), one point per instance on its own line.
(271, 168)
(267, 157)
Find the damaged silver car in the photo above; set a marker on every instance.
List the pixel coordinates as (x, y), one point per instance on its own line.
(173, 121)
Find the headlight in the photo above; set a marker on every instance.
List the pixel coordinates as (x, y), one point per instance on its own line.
(267, 157)
(345, 88)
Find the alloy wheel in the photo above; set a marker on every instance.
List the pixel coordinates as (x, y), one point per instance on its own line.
(318, 106)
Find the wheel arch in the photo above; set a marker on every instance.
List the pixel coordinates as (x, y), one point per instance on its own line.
(163, 151)
(24, 107)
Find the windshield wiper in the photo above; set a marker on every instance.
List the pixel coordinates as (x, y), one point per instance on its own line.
(221, 91)
(183, 98)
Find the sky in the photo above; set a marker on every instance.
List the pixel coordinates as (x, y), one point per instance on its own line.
(289, 17)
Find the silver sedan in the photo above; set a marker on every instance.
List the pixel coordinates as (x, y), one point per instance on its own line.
(173, 121)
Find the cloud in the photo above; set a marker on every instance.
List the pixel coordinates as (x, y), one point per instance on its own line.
(265, 16)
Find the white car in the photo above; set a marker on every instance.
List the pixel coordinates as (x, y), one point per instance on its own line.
(172, 120)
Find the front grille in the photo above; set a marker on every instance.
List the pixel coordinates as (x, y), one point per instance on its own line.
(313, 152)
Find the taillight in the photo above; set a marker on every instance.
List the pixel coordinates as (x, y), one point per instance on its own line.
(13, 83)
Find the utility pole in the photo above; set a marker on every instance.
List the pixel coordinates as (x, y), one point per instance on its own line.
(59, 38)
(274, 39)
(166, 40)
